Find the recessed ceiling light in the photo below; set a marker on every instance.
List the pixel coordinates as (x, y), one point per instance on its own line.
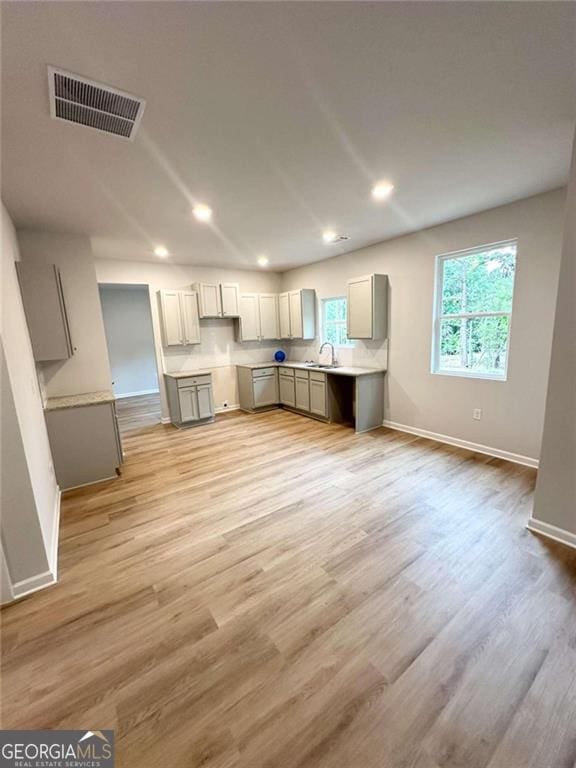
(161, 251)
(202, 212)
(263, 261)
(329, 236)
(382, 190)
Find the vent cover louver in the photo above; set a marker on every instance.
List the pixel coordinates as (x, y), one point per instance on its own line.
(95, 105)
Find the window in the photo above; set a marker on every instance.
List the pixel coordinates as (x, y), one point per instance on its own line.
(473, 308)
(334, 322)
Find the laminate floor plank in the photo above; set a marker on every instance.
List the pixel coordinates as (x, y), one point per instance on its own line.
(270, 591)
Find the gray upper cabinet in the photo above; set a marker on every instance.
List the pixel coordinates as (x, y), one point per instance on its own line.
(303, 314)
(268, 310)
(218, 299)
(284, 315)
(297, 314)
(179, 317)
(271, 316)
(209, 302)
(368, 307)
(230, 299)
(45, 309)
(249, 325)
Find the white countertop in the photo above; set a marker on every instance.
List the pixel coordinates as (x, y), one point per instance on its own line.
(187, 374)
(76, 401)
(341, 370)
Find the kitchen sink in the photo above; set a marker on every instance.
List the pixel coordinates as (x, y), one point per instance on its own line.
(323, 367)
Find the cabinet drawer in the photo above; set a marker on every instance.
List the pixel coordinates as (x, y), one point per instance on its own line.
(287, 372)
(193, 380)
(300, 374)
(257, 372)
(317, 376)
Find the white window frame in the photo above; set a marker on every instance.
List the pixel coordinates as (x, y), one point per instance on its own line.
(351, 343)
(438, 316)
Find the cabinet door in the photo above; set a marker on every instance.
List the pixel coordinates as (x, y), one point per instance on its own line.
(249, 317)
(188, 404)
(45, 309)
(171, 318)
(210, 300)
(287, 390)
(296, 314)
(268, 316)
(230, 293)
(302, 393)
(190, 322)
(360, 308)
(205, 404)
(308, 302)
(318, 397)
(84, 444)
(265, 390)
(284, 315)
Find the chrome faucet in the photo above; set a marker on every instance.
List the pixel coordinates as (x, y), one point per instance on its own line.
(329, 344)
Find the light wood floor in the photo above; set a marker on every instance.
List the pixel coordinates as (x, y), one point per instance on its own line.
(273, 592)
(135, 413)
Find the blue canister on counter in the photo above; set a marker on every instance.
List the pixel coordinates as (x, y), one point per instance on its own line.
(280, 356)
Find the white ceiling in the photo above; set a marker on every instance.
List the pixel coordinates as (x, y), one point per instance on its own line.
(281, 116)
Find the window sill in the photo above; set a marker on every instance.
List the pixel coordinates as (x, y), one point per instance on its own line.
(465, 375)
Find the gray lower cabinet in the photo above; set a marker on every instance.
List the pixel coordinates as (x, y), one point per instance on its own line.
(302, 390)
(318, 400)
(287, 387)
(265, 387)
(85, 444)
(258, 388)
(339, 397)
(190, 399)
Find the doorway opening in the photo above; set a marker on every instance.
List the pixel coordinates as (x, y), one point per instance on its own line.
(130, 340)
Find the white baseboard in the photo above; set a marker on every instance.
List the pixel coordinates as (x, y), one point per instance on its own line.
(223, 409)
(552, 532)
(46, 578)
(92, 482)
(55, 534)
(140, 392)
(516, 458)
(33, 584)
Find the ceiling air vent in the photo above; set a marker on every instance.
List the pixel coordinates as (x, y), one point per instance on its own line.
(95, 105)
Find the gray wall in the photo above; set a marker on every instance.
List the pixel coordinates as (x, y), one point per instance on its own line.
(23, 543)
(29, 494)
(128, 326)
(513, 411)
(555, 502)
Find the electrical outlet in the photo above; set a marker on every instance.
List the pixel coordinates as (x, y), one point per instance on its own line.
(477, 414)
